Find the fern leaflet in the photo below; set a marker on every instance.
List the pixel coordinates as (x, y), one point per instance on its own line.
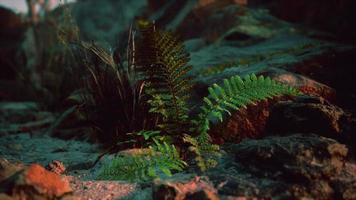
(161, 158)
(236, 93)
(231, 96)
(163, 62)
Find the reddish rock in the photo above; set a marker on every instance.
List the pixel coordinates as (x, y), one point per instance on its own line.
(198, 188)
(304, 84)
(307, 86)
(245, 123)
(43, 182)
(32, 182)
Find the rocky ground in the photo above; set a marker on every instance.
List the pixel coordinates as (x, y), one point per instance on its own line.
(279, 149)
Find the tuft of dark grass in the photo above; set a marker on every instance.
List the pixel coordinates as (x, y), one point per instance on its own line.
(114, 99)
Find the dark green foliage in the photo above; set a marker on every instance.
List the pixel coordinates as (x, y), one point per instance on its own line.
(159, 158)
(147, 135)
(163, 63)
(114, 100)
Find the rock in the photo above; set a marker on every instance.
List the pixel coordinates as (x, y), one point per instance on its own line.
(23, 117)
(335, 69)
(13, 108)
(76, 155)
(301, 156)
(202, 195)
(309, 115)
(252, 122)
(35, 182)
(8, 169)
(304, 84)
(245, 123)
(198, 188)
(56, 167)
(297, 166)
(312, 13)
(346, 190)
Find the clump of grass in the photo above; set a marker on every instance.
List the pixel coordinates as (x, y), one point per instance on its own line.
(114, 100)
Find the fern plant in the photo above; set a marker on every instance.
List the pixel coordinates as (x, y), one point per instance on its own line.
(231, 96)
(162, 61)
(163, 66)
(159, 160)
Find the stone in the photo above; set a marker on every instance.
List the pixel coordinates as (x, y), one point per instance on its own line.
(339, 14)
(202, 195)
(302, 157)
(252, 122)
(56, 167)
(304, 84)
(197, 188)
(346, 190)
(296, 165)
(245, 123)
(35, 182)
(7, 169)
(309, 115)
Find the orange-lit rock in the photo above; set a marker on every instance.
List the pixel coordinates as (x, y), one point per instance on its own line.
(43, 181)
(198, 188)
(248, 122)
(307, 85)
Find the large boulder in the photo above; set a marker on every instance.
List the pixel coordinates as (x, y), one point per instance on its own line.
(298, 157)
(297, 166)
(35, 182)
(251, 122)
(310, 115)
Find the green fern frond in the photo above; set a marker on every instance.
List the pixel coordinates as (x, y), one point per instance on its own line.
(231, 96)
(236, 93)
(163, 62)
(161, 158)
(205, 152)
(149, 134)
